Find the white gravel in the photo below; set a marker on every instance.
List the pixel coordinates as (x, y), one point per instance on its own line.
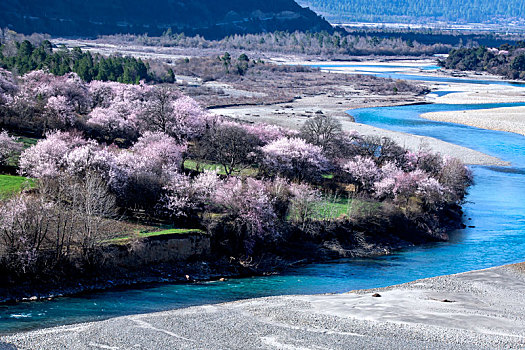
(475, 310)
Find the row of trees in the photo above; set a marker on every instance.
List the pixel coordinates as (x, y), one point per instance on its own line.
(507, 60)
(322, 43)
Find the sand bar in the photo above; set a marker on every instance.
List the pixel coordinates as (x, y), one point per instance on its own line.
(509, 119)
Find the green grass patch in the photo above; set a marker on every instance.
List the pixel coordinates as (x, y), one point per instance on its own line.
(349, 207)
(11, 184)
(145, 234)
(27, 141)
(195, 165)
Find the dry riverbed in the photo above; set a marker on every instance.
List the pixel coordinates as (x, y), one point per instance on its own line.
(475, 310)
(294, 114)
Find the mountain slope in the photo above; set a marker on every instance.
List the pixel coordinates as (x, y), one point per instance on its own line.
(420, 11)
(211, 18)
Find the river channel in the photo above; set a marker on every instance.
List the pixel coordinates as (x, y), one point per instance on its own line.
(494, 212)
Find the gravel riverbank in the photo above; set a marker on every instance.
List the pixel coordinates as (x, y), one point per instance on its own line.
(475, 310)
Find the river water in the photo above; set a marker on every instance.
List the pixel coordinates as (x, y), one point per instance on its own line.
(495, 212)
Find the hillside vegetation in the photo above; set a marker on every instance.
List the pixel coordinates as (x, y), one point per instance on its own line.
(206, 17)
(420, 11)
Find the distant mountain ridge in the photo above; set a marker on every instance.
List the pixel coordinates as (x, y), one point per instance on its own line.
(210, 18)
(419, 11)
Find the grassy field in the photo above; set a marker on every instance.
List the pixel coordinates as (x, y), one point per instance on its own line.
(10, 184)
(143, 234)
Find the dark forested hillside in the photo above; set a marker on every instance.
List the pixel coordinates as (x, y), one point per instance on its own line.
(421, 11)
(210, 18)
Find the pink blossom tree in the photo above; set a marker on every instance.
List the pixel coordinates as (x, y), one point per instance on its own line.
(39, 86)
(49, 101)
(295, 159)
(432, 193)
(406, 185)
(103, 94)
(75, 91)
(157, 152)
(118, 120)
(188, 120)
(178, 116)
(363, 172)
(140, 173)
(59, 111)
(250, 208)
(46, 158)
(89, 158)
(187, 197)
(8, 87)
